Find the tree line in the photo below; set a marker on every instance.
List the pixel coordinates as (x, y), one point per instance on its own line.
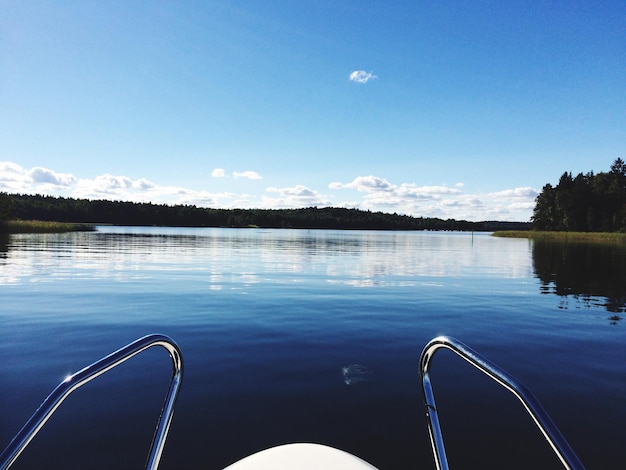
(585, 203)
(86, 211)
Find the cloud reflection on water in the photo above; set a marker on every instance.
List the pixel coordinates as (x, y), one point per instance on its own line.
(240, 258)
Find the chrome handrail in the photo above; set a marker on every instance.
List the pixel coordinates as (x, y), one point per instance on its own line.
(80, 378)
(552, 434)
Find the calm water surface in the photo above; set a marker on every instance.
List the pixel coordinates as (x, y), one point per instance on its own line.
(295, 335)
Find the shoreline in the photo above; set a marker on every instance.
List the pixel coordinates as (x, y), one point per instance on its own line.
(580, 237)
(39, 226)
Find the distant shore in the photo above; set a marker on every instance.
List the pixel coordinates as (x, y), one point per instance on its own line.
(595, 237)
(96, 212)
(39, 226)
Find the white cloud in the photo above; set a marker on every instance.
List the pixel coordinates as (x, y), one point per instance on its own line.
(524, 192)
(294, 197)
(14, 178)
(425, 192)
(8, 168)
(43, 175)
(361, 76)
(364, 184)
(143, 184)
(375, 185)
(121, 188)
(106, 182)
(221, 173)
(298, 191)
(251, 175)
(38, 180)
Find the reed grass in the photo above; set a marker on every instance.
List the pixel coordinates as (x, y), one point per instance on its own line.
(587, 237)
(40, 226)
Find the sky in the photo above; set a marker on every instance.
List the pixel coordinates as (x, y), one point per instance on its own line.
(450, 109)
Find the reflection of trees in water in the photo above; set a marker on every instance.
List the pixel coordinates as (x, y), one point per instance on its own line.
(4, 245)
(592, 274)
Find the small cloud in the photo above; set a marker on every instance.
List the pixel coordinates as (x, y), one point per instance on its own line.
(361, 76)
(218, 173)
(43, 175)
(426, 191)
(10, 167)
(14, 178)
(295, 196)
(365, 184)
(251, 175)
(524, 192)
(143, 184)
(108, 183)
(298, 190)
(381, 188)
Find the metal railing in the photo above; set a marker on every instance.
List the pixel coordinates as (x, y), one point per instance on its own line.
(545, 424)
(80, 378)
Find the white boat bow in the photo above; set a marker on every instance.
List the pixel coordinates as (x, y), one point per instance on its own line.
(301, 456)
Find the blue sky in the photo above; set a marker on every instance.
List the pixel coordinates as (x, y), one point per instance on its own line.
(451, 109)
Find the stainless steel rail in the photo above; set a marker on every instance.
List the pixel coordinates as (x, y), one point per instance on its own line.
(554, 437)
(80, 378)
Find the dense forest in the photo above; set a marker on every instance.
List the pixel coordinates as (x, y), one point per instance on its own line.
(585, 203)
(85, 211)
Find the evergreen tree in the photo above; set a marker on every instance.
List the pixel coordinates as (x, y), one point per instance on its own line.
(585, 203)
(6, 205)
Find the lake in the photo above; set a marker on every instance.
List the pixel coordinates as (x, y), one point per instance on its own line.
(311, 335)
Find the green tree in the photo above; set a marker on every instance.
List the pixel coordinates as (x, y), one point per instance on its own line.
(6, 207)
(618, 167)
(544, 215)
(585, 203)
